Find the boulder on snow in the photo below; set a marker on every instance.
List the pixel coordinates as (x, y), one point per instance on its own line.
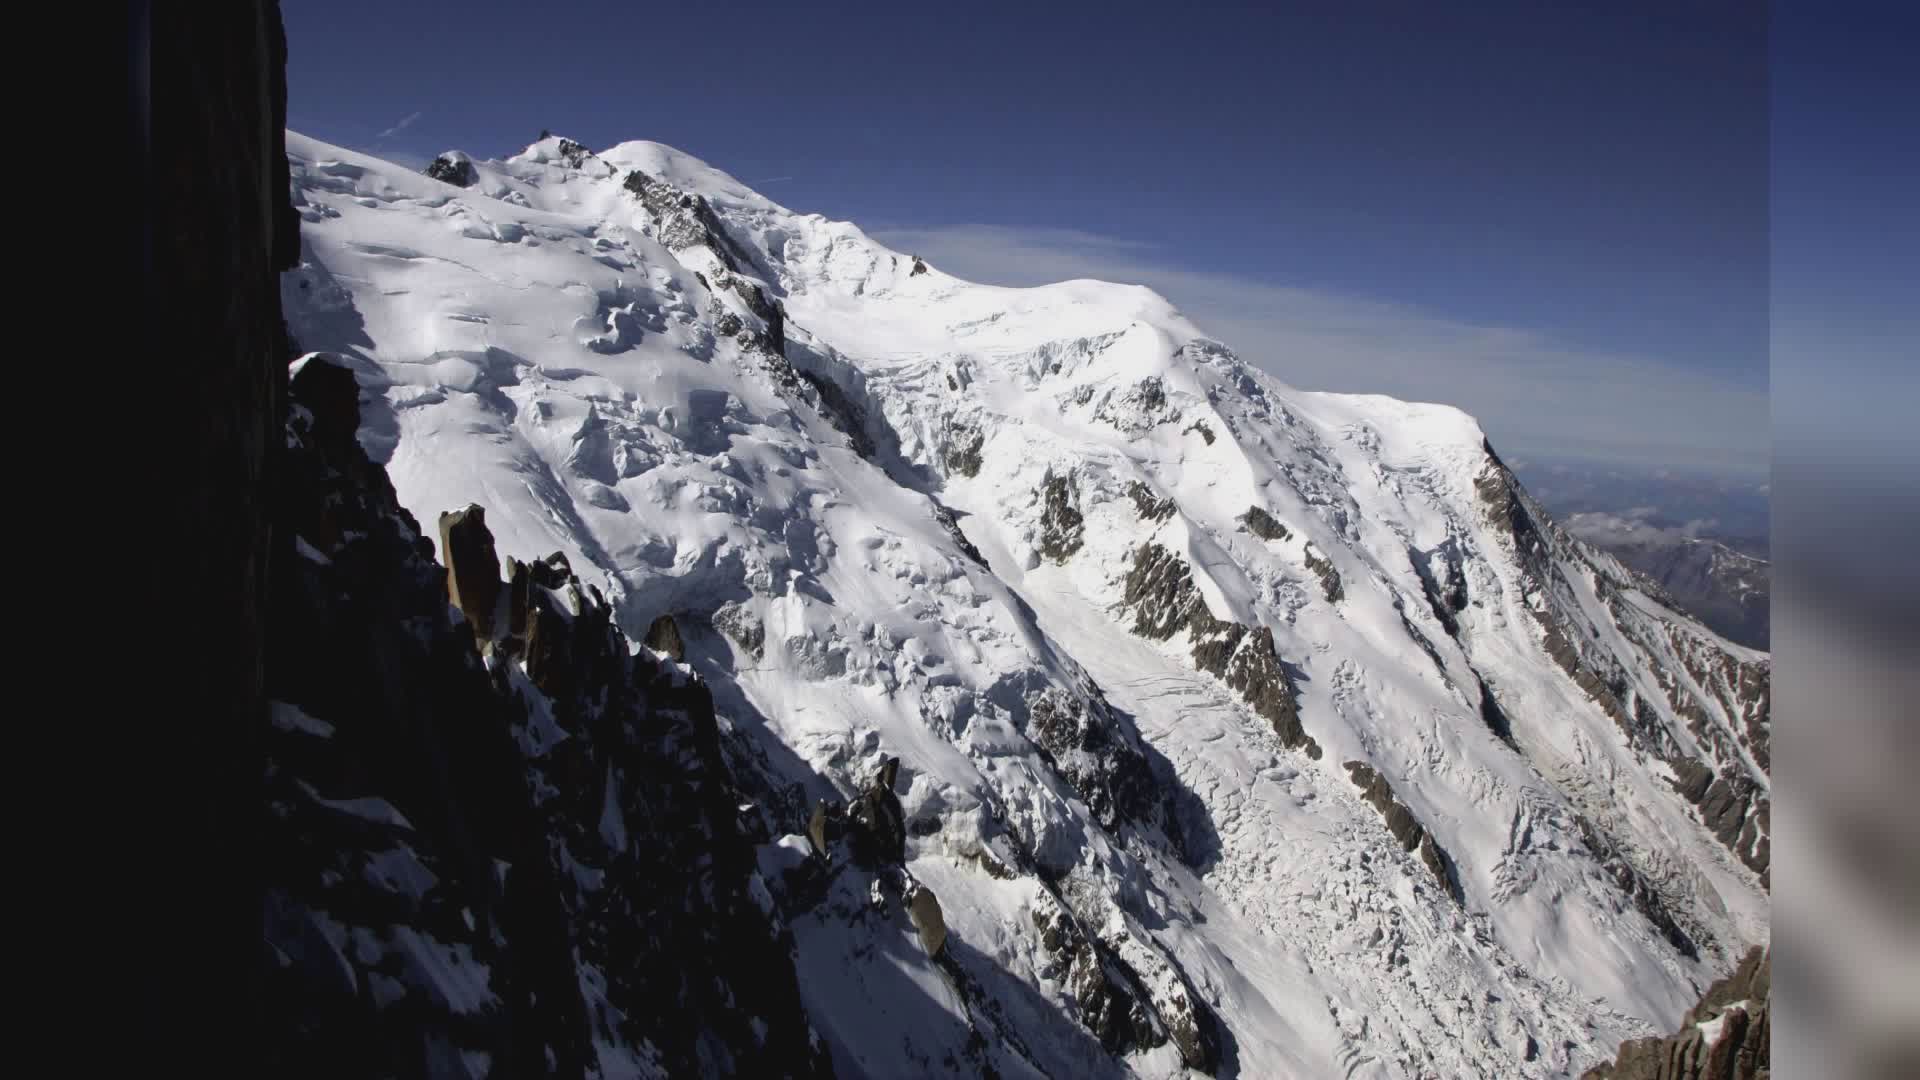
(473, 567)
(1262, 524)
(663, 636)
(454, 168)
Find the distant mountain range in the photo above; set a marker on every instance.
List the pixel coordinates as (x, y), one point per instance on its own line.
(1701, 538)
(1724, 588)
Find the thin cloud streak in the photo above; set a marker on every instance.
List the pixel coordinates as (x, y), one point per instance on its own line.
(405, 123)
(1530, 393)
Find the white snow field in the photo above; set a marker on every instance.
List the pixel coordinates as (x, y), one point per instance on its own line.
(594, 363)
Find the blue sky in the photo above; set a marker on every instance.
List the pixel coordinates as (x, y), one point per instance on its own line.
(1846, 238)
(1557, 220)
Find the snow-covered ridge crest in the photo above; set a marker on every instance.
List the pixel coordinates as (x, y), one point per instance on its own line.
(899, 514)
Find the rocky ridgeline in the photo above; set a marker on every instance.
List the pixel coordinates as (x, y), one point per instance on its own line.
(1732, 804)
(1727, 1036)
(499, 838)
(1405, 827)
(683, 220)
(1164, 600)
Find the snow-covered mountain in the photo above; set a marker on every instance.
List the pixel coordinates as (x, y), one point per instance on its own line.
(1234, 729)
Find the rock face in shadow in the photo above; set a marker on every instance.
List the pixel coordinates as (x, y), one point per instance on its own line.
(522, 853)
(1727, 1036)
(663, 636)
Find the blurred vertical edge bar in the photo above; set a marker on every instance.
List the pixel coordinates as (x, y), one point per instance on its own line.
(208, 97)
(1845, 388)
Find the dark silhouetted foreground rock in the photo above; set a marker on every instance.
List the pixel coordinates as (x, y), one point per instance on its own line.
(523, 856)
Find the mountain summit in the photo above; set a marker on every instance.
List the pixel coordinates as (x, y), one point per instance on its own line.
(1094, 702)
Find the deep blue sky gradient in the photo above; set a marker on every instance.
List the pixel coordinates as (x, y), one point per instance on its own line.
(1599, 176)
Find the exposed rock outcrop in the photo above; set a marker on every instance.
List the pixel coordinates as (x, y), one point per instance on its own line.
(1443, 580)
(684, 220)
(1727, 1036)
(1104, 761)
(962, 452)
(1061, 526)
(842, 411)
(738, 622)
(1733, 807)
(877, 825)
(454, 168)
(1263, 525)
(1323, 569)
(663, 636)
(473, 567)
(1404, 826)
(1641, 892)
(1111, 1003)
(573, 153)
(951, 524)
(1149, 506)
(1165, 601)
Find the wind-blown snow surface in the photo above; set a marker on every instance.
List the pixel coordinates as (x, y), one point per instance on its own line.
(895, 513)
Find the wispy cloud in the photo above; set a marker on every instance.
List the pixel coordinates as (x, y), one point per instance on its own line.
(1635, 526)
(1530, 392)
(404, 123)
(770, 180)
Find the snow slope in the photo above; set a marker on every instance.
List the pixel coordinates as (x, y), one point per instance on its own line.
(993, 532)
